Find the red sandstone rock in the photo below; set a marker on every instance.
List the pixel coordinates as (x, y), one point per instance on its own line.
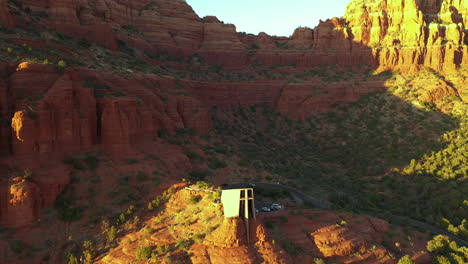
(302, 38)
(4, 111)
(118, 125)
(64, 120)
(21, 199)
(51, 182)
(422, 258)
(194, 115)
(31, 80)
(231, 233)
(6, 19)
(17, 124)
(338, 241)
(23, 203)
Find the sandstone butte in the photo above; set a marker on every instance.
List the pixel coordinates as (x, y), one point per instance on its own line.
(68, 118)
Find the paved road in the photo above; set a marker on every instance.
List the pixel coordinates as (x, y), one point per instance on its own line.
(302, 198)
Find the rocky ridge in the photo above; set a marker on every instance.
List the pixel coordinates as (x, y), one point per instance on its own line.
(300, 239)
(404, 35)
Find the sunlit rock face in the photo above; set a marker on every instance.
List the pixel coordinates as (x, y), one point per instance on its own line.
(409, 33)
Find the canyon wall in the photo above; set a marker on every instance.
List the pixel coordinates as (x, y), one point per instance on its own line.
(393, 34)
(408, 34)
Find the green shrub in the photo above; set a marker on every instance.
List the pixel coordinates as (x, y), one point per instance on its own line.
(132, 161)
(111, 234)
(131, 210)
(198, 238)
(6, 30)
(269, 224)
(62, 64)
(72, 259)
(66, 208)
(74, 162)
(183, 244)
(89, 252)
(254, 46)
(193, 155)
(215, 163)
(198, 175)
(319, 261)
(156, 203)
(162, 134)
(291, 248)
(143, 253)
(17, 246)
(439, 244)
(406, 260)
(185, 131)
(27, 173)
(84, 43)
(194, 199)
(31, 113)
(202, 185)
(161, 250)
(92, 161)
(141, 176)
(123, 47)
(441, 260)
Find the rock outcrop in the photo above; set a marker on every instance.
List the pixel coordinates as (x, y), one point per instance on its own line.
(338, 241)
(22, 199)
(62, 114)
(22, 204)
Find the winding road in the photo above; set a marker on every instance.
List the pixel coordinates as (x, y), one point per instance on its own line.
(302, 198)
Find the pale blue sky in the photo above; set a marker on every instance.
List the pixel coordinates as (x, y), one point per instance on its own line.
(275, 17)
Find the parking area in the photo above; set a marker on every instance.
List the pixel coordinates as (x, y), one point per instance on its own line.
(266, 208)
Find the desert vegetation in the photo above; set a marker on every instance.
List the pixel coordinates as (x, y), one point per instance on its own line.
(381, 153)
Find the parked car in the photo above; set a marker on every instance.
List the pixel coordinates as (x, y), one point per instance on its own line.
(251, 184)
(275, 206)
(266, 209)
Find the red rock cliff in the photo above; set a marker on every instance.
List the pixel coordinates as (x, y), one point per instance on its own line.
(410, 33)
(395, 34)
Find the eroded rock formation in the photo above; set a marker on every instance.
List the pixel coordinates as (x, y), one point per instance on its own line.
(23, 202)
(402, 35)
(409, 34)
